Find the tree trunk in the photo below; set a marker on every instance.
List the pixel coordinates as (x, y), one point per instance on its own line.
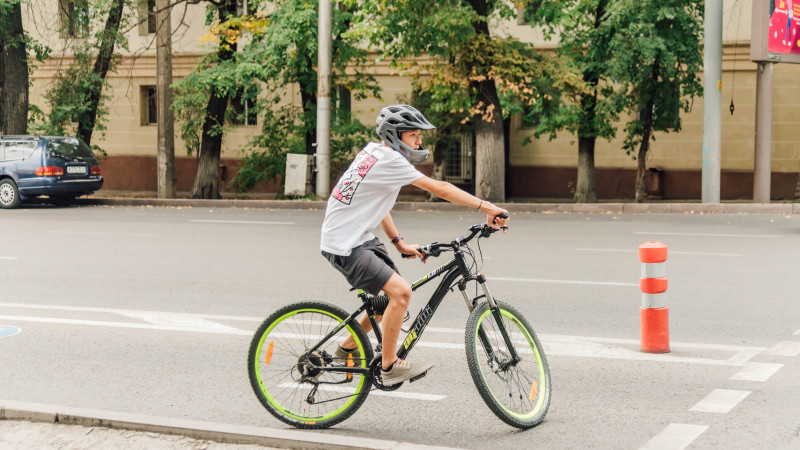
(166, 118)
(206, 183)
(102, 64)
(489, 147)
(586, 189)
(309, 100)
(13, 73)
(647, 131)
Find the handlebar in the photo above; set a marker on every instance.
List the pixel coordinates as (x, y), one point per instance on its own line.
(435, 249)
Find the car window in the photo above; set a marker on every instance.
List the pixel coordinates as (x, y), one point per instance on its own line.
(17, 150)
(68, 148)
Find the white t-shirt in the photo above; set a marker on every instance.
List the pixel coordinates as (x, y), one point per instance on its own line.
(363, 197)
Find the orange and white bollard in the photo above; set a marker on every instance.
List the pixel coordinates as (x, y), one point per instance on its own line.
(654, 314)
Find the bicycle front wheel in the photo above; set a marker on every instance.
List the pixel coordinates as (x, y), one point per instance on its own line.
(293, 380)
(518, 392)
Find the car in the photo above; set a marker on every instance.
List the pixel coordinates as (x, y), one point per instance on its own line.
(59, 167)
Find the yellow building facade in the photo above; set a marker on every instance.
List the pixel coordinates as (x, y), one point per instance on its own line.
(541, 169)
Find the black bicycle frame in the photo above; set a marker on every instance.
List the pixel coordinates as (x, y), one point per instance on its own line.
(453, 269)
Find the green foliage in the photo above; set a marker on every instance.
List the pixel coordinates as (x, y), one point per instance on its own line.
(68, 98)
(282, 54)
(657, 63)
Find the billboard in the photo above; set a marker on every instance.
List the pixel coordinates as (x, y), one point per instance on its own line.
(776, 31)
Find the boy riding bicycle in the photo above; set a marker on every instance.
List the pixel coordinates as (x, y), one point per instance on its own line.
(362, 200)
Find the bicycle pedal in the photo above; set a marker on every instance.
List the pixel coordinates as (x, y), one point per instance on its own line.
(417, 377)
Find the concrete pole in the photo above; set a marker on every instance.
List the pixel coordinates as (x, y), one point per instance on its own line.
(762, 172)
(324, 99)
(712, 109)
(166, 118)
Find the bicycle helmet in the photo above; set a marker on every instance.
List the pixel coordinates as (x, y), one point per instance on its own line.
(396, 119)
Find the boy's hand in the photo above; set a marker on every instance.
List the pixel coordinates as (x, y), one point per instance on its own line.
(492, 218)
(411, 251)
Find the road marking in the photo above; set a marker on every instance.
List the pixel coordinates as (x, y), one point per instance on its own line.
(720, 401)
(675, 436)
(785, 348)
(242, 222)
(672, 252)
(755, 371)
(406, 395)
(141, 326)
(8, 330)
(554, 345)
(106, 233)
(669, 233)
(8, 258)
(540, 280)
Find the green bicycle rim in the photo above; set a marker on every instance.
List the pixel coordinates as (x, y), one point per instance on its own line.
(269, 397)
(542, 378)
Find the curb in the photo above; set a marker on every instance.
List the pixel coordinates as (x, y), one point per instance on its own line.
(591, 208)
(219, 432)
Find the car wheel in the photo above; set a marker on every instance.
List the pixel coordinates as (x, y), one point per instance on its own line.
(9, 194)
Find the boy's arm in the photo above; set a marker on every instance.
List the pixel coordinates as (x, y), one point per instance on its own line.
(452, 194)
(387, 225)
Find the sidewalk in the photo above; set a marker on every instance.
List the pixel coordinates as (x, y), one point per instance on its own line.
(513, 206)
(26, 425)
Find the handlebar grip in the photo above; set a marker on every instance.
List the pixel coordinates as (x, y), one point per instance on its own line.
(406, 256)
(503, 215)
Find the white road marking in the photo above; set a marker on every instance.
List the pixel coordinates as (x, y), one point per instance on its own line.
(668, 233)
(671, 252)
(540, 280)
(755, 371)
(797, 333)
(406, 395)
(252, 222)
(785, 348)
(554, 345)
(675, 436)
(8, 258)
(105, 233)
(720, 401)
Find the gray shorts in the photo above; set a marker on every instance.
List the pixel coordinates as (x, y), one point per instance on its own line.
(368, 266)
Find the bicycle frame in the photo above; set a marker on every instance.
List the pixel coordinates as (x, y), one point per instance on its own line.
(452, 270)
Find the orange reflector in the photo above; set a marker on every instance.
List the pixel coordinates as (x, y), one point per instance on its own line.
(349, 364)
(269, 352)
(533, 390)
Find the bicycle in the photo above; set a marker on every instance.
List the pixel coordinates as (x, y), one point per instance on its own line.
(298, 378)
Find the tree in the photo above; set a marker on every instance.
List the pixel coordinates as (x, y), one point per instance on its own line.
(281, 57)
(473, 75)
(13, 70)
(590, 113)
(656, 63)
(78, 93)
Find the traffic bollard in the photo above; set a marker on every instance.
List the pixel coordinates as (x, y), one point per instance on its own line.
(654, 314)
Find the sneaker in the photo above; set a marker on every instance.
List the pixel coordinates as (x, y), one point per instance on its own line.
(403, 370)
(340, 355)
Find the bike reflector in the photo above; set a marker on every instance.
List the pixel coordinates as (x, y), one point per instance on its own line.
(269, 352)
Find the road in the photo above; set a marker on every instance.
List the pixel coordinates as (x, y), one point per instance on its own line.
(150, 311)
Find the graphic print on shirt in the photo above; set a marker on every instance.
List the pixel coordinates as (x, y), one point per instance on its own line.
(349, 182)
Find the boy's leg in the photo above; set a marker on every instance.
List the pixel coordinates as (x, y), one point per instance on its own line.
(399, 292)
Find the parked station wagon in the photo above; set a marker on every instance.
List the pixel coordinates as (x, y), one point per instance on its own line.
(61, 168)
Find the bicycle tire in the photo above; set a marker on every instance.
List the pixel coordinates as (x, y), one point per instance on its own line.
(517, 394)
(278, 356)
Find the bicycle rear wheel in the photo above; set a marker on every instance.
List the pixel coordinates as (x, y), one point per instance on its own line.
(292, 382)
(518, 393)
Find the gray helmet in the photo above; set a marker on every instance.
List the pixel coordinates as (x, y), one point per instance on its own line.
(396, 119)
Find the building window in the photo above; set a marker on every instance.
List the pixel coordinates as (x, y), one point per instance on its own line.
(341, 104)
(244, 111)
(74, 18)
(147, 17)
(149, 105)
(458, 165)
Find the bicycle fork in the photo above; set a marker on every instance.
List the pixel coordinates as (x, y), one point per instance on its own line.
(498, 316)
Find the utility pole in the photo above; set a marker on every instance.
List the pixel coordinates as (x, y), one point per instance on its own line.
(166, 119)
(712, 108)
(325, 37)
(762, 170)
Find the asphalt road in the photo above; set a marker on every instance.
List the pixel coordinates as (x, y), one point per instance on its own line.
(150, 311)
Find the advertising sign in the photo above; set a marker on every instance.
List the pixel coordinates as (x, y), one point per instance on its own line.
(776, 31)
